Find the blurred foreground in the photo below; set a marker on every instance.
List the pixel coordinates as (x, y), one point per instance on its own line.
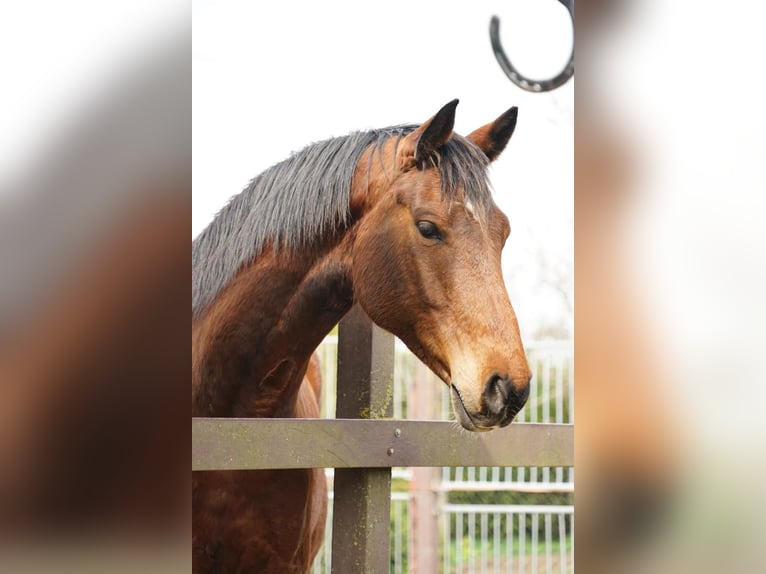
(94, 222)
(669, 278)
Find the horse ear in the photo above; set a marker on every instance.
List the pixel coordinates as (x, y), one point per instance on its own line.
(419, 145)
(493, 137)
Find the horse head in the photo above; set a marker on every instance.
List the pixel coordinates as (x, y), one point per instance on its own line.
(427, 261)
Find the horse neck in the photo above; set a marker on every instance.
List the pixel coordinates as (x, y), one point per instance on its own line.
(251, 347)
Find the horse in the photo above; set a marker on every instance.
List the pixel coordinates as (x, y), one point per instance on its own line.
(400, 221)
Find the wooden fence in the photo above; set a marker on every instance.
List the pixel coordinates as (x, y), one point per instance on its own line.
(362, 444)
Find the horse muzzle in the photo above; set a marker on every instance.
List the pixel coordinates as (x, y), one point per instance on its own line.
(501, 400)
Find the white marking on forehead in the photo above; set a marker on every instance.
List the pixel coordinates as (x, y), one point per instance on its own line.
(470, 209)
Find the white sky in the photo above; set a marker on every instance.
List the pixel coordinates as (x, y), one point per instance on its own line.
(271, 78)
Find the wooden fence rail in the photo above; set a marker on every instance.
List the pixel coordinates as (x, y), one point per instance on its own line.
(243, 444)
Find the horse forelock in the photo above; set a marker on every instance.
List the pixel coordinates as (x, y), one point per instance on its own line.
(464, 177)
(301, 199)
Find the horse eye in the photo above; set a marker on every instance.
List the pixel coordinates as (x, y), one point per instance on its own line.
(429, 230)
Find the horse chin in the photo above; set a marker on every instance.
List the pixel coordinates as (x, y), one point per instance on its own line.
(461, 413)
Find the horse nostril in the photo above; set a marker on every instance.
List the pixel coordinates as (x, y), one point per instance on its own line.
(502, 399)
(498, 393)
(500, 385)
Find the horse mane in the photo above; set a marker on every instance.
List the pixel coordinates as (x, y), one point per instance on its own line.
(301, 198)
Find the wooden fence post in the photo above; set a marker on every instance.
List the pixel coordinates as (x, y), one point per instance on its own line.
(362, 502)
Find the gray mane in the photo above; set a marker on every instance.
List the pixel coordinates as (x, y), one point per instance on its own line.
(300, 199)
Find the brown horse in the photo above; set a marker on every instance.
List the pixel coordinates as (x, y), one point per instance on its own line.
(399, 220)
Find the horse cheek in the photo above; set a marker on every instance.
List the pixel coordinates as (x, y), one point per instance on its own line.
(380, 285)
